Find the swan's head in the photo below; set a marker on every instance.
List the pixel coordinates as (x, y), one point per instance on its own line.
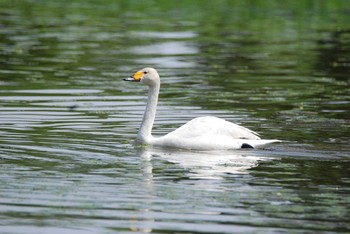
(148, 76)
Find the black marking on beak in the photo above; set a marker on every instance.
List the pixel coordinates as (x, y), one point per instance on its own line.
(132, 79)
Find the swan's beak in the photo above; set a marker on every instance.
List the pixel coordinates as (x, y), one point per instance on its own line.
(136, 77)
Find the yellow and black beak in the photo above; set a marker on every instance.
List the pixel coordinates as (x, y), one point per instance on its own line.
(136, 77)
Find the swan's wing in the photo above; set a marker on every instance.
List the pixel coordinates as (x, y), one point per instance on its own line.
(213, 126)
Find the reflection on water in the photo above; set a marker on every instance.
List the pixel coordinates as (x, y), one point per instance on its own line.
(205, 165)
(165, 48)
(67, 122)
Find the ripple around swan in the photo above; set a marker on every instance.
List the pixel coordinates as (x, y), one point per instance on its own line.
(140, 187)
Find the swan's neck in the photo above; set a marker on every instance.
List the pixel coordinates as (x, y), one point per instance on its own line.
(145, 132)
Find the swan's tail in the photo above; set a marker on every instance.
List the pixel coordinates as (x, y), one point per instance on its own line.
(258, 143)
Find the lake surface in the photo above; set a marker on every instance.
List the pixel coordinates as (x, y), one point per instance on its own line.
(68, 163)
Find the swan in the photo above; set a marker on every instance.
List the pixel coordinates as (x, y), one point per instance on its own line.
(202, 133)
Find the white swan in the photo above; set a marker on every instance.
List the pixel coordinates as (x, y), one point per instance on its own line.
(203, 133)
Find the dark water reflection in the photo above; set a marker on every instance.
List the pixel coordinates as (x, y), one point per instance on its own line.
(67, 122)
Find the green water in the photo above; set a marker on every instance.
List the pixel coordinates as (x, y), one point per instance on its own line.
(67, 121)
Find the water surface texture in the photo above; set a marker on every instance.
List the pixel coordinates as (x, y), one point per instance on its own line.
(68, 163)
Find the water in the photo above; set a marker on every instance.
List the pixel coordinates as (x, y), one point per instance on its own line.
(67, 121)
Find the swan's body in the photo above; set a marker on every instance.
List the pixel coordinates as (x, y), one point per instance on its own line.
(203, 133)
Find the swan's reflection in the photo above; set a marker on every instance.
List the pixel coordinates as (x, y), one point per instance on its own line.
(197, 165)
(203, 165)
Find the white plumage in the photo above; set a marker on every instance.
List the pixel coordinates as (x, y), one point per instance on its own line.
(203, 133)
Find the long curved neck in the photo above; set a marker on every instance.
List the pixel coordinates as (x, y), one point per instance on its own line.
(145, 131)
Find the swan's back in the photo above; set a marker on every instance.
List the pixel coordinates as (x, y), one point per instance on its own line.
(213, 126)
(209, 133)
